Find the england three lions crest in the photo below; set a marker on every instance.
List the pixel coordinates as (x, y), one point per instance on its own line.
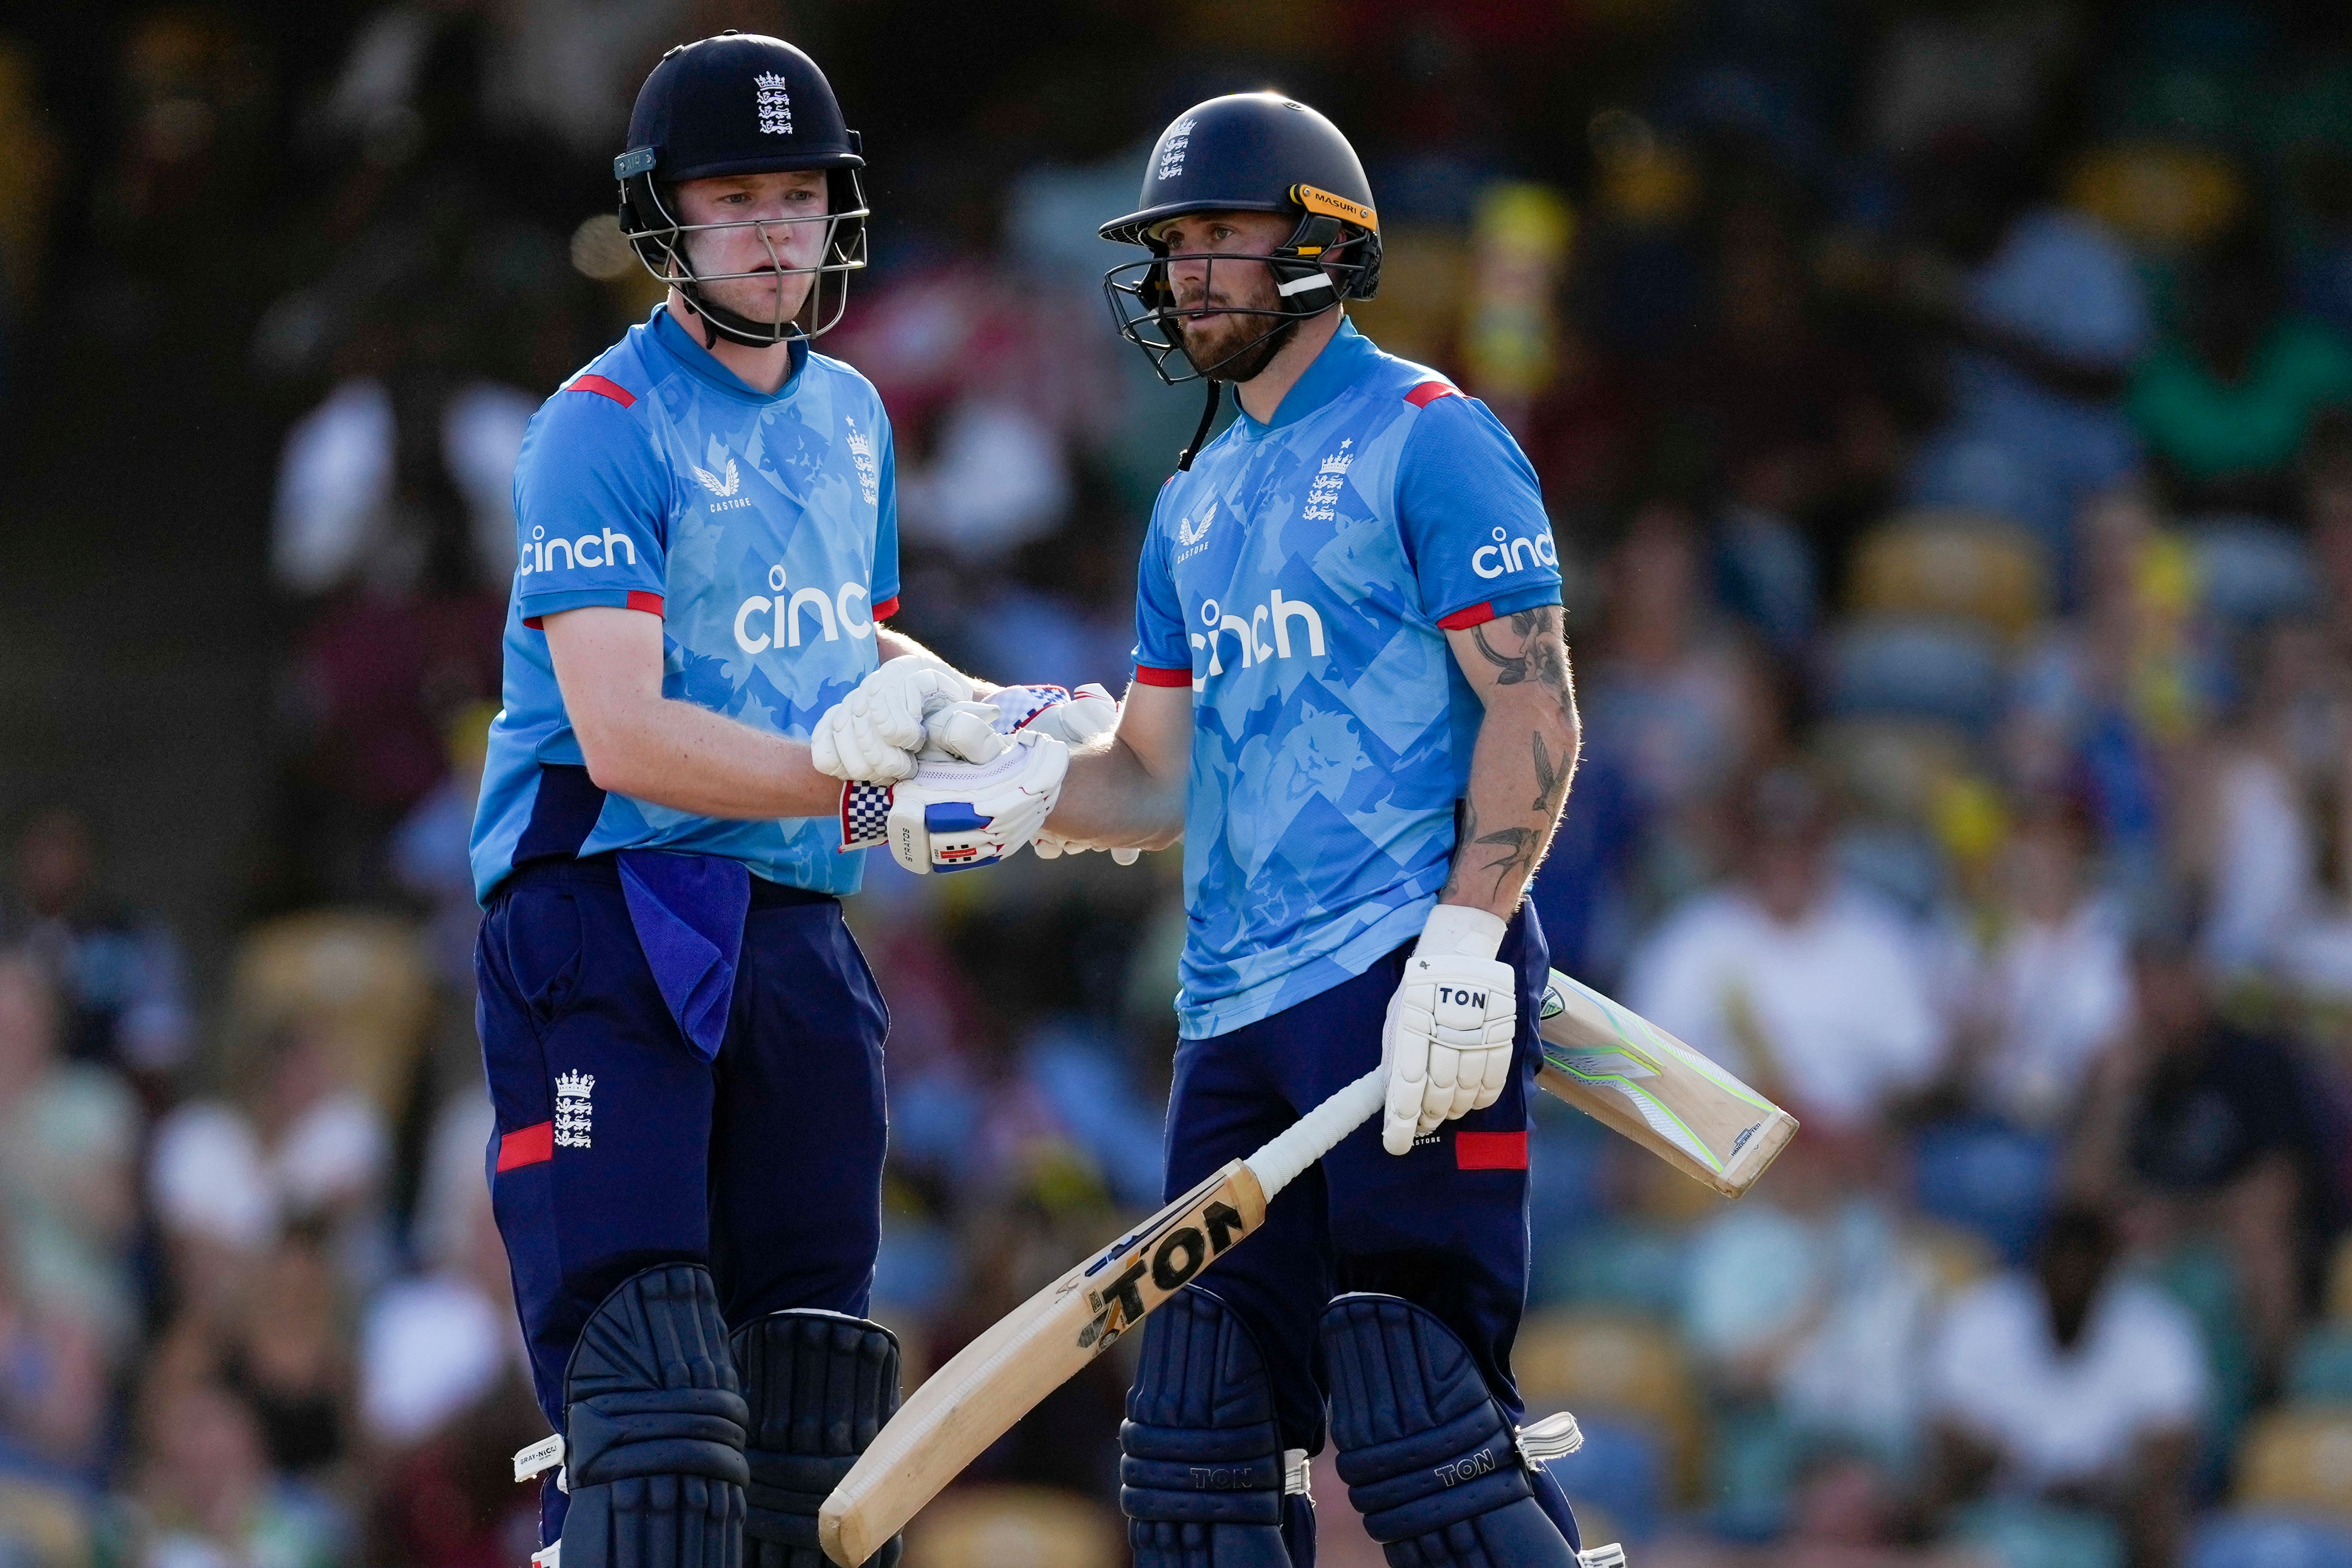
(575, 1114)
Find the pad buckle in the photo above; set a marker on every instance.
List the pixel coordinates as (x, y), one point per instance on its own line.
(1553, 1437)
(551, 1555)
(1610, 1556)
(545, 1455)
(1294, 1474)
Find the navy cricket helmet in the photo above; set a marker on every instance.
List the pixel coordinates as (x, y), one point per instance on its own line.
(741, 103)
(1252, 153)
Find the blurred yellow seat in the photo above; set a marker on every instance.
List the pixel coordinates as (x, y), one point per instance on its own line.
(1968, 565)
(999, 1526)
(2298, 1460)
(358, 978)
(1610, 1363)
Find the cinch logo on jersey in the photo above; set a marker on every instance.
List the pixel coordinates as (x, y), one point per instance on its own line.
(1278, 614)
(1507, 555)
(540, 553)
(763, 622)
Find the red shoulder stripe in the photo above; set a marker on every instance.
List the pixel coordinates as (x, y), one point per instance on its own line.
(1428, 393)
(603, 388)
(1463, 620)
(1146, 675)
(651, 603)
(887, 609)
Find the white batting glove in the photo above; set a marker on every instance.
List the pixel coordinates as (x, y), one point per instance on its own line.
(872, 735)
(1447, 1039)
(951, 816)
(978, 731)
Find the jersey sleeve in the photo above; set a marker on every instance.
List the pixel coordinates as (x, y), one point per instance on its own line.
(884, 598)
(592, 505)
(1472, 514)
(1163, 656)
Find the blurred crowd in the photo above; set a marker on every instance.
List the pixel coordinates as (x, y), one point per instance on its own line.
(1945, 413)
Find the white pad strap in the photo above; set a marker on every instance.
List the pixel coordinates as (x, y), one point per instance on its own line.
(1553, 1437)
(548, 1556)
(1610, 1556)
(1296, 1472)
(545, 1455)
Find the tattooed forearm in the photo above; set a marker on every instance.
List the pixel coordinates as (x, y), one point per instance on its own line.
(1521, 848)
(1525, 645)
(1551, 779)
(1526, 758)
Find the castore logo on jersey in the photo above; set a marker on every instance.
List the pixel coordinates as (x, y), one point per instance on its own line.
(784, 614)
(1190, 533)
(724, 490)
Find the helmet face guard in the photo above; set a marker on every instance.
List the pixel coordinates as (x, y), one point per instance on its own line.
(660, 238)
(1323, 263)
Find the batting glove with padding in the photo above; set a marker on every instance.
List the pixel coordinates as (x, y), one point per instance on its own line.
(953, 816)
(1447, 1039)
(872, 735)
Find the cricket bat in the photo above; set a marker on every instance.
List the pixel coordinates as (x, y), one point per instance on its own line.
(1607, 1062)
(998, 1379)
(1629, 1074)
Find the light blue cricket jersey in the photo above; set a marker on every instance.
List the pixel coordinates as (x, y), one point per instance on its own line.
(1301, 577)
(762, 529)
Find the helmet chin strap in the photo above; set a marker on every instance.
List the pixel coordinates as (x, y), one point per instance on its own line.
(1207, 418)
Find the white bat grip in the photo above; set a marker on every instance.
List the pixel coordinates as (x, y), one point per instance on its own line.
(1309, 1139)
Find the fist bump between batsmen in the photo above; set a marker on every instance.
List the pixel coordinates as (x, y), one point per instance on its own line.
(873, 734)
(1447, 1039)
(1073, 718)
(953, 815)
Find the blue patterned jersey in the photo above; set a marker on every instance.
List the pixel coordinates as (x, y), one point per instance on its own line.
(762, 529)
(1301, 577)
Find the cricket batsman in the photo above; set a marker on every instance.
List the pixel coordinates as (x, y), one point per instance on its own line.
(1352, 702)
(683, 1043)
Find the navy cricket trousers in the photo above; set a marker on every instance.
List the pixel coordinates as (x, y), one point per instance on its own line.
(618, 1147)
(1445, 1226)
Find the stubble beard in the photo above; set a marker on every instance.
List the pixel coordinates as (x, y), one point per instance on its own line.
(1214, 344)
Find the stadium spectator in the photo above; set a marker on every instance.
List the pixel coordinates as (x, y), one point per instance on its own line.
(300, 1149)
(2072, 1382)
(205, 1496)
(119, 973)
(68, 1143)
(2197, 1128)
(1788, 978)
(2051, 987)
(2226, 403)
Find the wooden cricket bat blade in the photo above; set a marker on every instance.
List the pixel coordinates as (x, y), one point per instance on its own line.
(1626, 1072)
(1041, 1344)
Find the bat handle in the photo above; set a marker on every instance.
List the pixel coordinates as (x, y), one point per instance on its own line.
(1311, 1137)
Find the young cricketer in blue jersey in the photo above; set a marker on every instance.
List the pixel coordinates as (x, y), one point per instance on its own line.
(683, 1042)
(1352, 702)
